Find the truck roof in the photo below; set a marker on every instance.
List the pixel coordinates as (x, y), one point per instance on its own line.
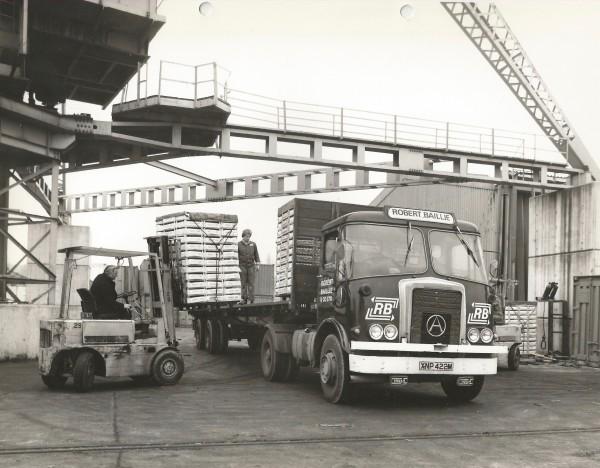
(380, 218)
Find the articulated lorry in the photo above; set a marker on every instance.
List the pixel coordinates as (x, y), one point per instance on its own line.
(364, 294)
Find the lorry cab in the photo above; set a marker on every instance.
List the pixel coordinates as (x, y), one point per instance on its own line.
(413, 283)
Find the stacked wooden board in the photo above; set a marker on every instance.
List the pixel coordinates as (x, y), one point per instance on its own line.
(298, 257)
(523, 314)
(203, 251)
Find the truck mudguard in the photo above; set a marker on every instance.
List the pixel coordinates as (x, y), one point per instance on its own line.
(327, 327)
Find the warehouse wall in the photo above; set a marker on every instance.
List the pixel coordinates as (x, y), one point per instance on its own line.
(20, 328)
(565, 244)
(68, 236)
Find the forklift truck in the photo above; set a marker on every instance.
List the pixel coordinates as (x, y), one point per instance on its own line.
(143, 348)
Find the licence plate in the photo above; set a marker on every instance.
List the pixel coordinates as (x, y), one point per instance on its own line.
(440, 366)
(399, 379)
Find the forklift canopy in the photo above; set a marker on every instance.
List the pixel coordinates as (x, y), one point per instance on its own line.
(100, 252)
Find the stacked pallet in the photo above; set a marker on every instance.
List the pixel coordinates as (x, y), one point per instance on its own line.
(203, 249)
(523, 314)
(284, 262)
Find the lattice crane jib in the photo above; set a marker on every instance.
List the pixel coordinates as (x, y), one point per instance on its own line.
(487, 29)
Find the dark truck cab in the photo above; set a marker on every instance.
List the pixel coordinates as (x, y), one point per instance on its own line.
(403, 295)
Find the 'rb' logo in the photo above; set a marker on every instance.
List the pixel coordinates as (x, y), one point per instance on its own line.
(382, 308)
(480, 315)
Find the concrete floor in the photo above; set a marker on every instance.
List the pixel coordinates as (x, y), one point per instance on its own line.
(223, 413)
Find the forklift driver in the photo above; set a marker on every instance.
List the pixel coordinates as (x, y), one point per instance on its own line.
(105, 295)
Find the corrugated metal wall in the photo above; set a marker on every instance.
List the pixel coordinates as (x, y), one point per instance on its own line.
(473, 203)
(564, 244)
(585, 325)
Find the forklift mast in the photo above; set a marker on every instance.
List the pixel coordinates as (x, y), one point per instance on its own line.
(162, 294)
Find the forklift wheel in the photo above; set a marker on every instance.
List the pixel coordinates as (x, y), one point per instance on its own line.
(514, 357)
(54, 381)
(84, 371)
(167, 367)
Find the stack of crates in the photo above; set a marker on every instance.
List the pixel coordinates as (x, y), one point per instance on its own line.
(285, 252)
(299, 224)
(203, 249)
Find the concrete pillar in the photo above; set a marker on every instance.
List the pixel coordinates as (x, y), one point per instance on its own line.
(4, 182)
(53, 229)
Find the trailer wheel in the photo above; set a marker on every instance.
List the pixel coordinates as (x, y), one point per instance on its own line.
(459, 394)
(84, 371)
(223, 336)
(334, 371)
(273, 363)
(212, 336)
(200, 333)
(167, 367)
(514, 357)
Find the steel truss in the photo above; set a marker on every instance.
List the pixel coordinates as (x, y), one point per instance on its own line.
(489, 32)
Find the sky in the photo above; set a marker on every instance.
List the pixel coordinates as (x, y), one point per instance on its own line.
(356, 54)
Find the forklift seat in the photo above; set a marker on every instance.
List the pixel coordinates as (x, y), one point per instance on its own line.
(89, 309)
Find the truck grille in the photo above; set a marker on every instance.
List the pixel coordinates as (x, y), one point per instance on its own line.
(435, 316)
(45, 338)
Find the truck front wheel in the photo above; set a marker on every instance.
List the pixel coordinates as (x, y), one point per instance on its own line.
(334, 371)
(460, 394)
(514, 357)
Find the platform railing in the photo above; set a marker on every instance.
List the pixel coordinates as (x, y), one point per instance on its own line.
(209, 81)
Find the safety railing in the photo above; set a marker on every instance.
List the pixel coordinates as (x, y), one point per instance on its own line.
(210, 81)
(179, 81)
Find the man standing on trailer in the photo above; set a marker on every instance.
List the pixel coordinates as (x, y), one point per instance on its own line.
(248, 261)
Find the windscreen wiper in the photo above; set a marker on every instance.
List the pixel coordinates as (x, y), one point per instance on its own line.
(409, 242)
(467, 248)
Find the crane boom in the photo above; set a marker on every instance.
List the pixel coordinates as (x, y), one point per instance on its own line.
(490, 33)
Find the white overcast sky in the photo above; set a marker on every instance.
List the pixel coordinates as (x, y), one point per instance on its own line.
(360, 54)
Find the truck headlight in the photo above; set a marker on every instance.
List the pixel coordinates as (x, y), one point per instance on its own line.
(473, 335)
(390, 332)
(486, 335)
(376, 331)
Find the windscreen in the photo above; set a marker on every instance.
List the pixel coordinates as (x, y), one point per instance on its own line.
(375, 250)
(450, 257)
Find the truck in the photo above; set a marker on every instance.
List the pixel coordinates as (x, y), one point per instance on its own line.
(367, 294)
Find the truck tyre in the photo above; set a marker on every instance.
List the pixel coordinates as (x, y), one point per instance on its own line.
(167, 367)
(200, 333)
(223, 336)
(514, 357)
(84, 371)
(334, 371)
(212, 336)
(462, 394)
(273, 363)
